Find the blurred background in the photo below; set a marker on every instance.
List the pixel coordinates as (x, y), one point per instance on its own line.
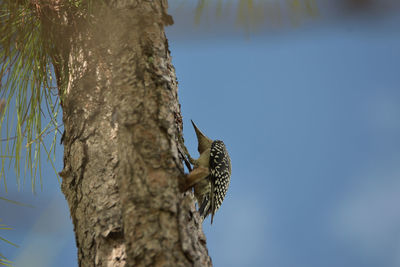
(305, 94)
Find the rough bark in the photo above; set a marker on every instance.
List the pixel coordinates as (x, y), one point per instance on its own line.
(122, 120)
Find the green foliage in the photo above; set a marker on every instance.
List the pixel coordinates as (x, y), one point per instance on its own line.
(75, 3)
(3, 259)
(251, 14)
(16, 202)
(27, 89)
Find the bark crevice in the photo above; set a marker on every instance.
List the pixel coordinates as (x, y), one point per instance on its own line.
(122, 125)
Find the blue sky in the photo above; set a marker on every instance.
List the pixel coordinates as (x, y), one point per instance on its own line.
(311, 117)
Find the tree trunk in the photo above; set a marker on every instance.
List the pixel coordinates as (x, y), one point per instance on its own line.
(122, 120)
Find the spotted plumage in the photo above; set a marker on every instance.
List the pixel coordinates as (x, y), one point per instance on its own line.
(211, 174)
(218, 180)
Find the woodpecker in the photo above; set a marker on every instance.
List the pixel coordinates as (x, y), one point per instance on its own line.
(211, 174)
